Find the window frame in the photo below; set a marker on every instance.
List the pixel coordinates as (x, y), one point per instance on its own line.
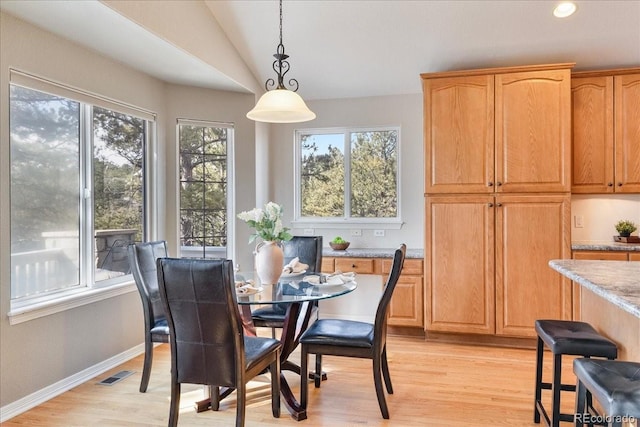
(88, 291)
(346, 221)
(230, 183)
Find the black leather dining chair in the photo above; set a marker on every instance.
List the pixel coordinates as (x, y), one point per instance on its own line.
(207, 342)
(142, 260)
(309, 251)
(349, 338)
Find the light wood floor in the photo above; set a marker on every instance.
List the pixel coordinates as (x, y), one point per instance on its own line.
(435, 384)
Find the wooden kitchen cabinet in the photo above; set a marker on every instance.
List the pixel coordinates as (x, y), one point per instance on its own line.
(606, 131)
(634, 256)
(530, 231)
(405, 308)
(459, 251)
(498, 130)
(492, 277)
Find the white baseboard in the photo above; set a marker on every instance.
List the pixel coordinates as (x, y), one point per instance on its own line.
(34, 399)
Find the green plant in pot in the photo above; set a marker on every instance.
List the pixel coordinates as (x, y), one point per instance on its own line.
(625, 227)
(339, 244)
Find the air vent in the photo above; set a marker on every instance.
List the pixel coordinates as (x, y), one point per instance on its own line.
(119, 376)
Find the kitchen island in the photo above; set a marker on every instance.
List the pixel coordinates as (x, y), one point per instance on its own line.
(610, 299)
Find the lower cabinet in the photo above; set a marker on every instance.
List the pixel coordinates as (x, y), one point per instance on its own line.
(596, 256)
(406, 307)
(487, 260)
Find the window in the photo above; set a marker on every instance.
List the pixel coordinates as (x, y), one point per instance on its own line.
(204, 184)
(77, 191)
(347, 174)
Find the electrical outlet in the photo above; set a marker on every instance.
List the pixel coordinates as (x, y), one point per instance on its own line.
(378, 233)
(578, 221)
(356, 232)
(308, 231)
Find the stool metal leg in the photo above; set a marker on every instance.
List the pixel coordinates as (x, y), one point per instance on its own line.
(538, 395)
(581, 396)
(557, 386)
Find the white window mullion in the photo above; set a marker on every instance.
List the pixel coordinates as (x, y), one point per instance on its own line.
(86, 195)
(347, 174)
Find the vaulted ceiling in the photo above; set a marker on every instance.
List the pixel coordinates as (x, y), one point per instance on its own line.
(353, 48)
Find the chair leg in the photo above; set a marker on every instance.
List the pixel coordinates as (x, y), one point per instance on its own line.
(214, 396)
(241, 403)
(538, 391)
(174, 406)
(318, 376)
(385, 371)
(275, 385)
(580, 404)
(377, 380)
(555, 388)
(304, 382)
(146, 367)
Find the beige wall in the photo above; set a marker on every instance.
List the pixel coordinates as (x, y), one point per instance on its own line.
(39, 353)
(398, 110)
(599, 214)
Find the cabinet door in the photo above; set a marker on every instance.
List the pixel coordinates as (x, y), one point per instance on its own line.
(530, 231)
(627, 134)
(591, 255)
(634, 256)
(458, 133)
(533, 131)
(406, 307)
(459, 254)
(592, 134)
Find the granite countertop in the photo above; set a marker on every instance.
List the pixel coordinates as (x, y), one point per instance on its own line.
(616, 281)
(597, 245)
(371, 253)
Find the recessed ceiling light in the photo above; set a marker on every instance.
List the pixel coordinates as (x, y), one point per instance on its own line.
(564, 9)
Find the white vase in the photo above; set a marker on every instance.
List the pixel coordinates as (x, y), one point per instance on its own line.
(269, 262)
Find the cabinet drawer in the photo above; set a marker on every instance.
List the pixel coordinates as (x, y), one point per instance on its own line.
(601, 255)
(358, 265)
(412, 267)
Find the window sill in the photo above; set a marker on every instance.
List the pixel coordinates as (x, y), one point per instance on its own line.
(77, 299)
(373, 224)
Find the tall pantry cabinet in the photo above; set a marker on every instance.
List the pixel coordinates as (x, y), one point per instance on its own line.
(497, 198)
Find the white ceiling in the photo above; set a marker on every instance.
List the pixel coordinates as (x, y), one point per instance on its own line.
(358, 48)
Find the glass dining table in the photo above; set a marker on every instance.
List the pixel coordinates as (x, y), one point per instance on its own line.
(295, 294)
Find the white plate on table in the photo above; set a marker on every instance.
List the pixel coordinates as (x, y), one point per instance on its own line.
(248, 291)
(292, 275)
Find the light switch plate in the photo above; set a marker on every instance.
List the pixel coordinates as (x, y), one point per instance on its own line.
(356, 232)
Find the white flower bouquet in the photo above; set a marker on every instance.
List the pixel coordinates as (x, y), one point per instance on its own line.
(267, 222)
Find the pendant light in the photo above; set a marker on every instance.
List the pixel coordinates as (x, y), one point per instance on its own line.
(281, 105)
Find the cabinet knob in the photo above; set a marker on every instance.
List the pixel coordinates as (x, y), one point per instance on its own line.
(610, 184)
(619, 184)
(499, 204)
(499, 184)
(490, 184)
(353, 266)
(490, 205)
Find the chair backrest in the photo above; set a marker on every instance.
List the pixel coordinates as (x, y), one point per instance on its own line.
(205, 328)
(307, 248)
(380, 327)
(142, 260)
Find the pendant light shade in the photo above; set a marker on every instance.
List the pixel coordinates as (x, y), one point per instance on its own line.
(281, 105)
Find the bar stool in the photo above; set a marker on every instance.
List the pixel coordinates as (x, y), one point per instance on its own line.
(614, 384)
(564, 337)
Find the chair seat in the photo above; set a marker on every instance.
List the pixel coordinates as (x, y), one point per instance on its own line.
(271, 313)
(614, 384)
(339, 332)
(256, 349)
(574, 338)
(161, 328)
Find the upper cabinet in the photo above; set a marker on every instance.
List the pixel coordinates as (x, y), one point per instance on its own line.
(498, 130)
(606, 131)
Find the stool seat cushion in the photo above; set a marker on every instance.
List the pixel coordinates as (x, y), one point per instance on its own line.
(614, 384)
(575, 338)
